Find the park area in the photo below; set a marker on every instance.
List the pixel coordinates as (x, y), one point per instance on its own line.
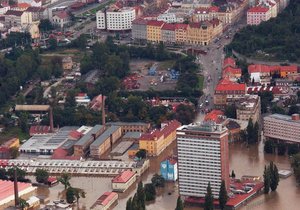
(149, 74)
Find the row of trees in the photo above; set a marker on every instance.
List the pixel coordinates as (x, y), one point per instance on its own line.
(271, 178)
(251, 134)
(278, 37)
(209, 198)
(296, 166)
(271, 147)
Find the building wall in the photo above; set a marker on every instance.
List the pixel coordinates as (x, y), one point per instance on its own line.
(168, 170)
(122, 187)
(180, 36)
(154, 33)
(288, 131)
(255, 18)
(202, 158)
(139, 31)
(244, 113)
(168, 36)
(100, 17)
(199, 36)
(118, 21)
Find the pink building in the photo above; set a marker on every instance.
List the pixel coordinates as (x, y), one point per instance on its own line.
(258, 14)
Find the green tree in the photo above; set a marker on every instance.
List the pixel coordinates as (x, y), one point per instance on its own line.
(281, 148)
(267, 180)
(79, 193)
(209, 199)
(20, 174)
(269, 147)
(294, 109)
(185, 114)
(232, 174)
(141, 196)
(41, 175)
(293, 149)
(70, 99)
(70, 195)
(24, 121)
(274, 176)
(45, 25)
(295, 163)
(142, 153)
(3, 174)
(52, 44)
(223, 197)
(150, 192)
(65, 180)
(277, 110)
(23, 203)
(129, 204)
(179, 205)
(158, 180)
(14, 152)
(230, 111)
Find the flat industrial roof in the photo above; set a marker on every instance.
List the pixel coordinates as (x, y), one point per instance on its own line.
(283, 117)
(132, 135)
(87, 136)
(121, 148)
(127, 123)
(105, 135)
(48, 141)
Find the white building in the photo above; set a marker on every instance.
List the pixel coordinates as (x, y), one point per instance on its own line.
(4, 9)
(282, 127)
(167, 17)
(123, 181)
(202, 158)
(116, 19)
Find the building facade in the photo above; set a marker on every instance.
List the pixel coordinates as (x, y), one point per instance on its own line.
(282, 127)
(249, 107)
(168, 33)
(258, 14)
(139, 29)
(203, 157)
(168, 169)
(154, 30)
(123, 181)
(156, 141)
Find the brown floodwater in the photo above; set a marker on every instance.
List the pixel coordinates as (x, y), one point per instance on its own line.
(243, 160)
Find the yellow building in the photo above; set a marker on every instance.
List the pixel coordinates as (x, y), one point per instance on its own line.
(203, 32)
(156, 141)
(67, 63)
(14, 142)
(154, 30)
(180, 33)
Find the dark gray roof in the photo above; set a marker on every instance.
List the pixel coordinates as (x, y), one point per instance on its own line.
(132, 135)
(87, 136)
(105, 135)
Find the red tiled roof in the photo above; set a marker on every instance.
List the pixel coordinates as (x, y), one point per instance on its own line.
(292, 68)
(227, 85)
(51, 179)
(267, 69)
(14, 13)
(123, 177)
(258, 9)
(39, 129)
(7, 188)
(213, 115)
(140, 21)
(75, 134)
(3, 149)
(214, 9)
(23, 5)
(156, 23)
(230, 70)
(81, 94)
(215, 22)
(106, 198)
(62, 14)
(168, 27)
(181, 26)
(229, 62)
(35, 9)
(166, 130)
(201, 10)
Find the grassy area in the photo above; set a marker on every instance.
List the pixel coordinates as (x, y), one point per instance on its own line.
(13, 132)
(201, 82)
(102, 6)
(166, 64)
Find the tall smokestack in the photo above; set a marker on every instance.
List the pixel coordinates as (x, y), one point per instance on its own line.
(103, 110)
(16, 188)
(51, 120)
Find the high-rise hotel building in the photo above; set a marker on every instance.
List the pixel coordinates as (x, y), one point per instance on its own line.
(202, 158)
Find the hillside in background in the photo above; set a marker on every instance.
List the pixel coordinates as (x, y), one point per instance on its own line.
(277, 39)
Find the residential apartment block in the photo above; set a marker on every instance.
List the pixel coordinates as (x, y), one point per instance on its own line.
(282, 128)
(203, 157)
(156, 141)
(258, 14)
(15, 18)
(248, 107)
(116, 19)
(201, 33)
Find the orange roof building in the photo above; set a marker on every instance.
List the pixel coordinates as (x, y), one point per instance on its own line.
(156, 141)
(229, 62)
(123, 181)
(215, 116)
(106, 201)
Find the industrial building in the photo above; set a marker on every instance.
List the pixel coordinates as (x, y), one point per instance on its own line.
(132, 126)
(203, 157)
(105, 141)
(123, 181)
(81, 147)
(46, 144)
(282, 128)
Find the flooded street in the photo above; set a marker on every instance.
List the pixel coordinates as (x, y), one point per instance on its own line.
(243, 160)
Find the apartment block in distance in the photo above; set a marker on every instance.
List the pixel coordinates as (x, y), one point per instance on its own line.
(282, 128)
(202, 158)
(258, 14)
(156, 141)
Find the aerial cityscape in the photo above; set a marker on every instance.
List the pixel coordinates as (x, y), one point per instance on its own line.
(150, 104)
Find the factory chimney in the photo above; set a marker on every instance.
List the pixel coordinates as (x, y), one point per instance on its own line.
(103, 110)
(16, 188)
(51, 119)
